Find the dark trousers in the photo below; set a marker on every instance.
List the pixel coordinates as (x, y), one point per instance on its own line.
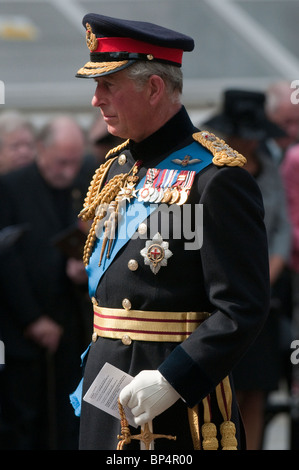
(35, 411)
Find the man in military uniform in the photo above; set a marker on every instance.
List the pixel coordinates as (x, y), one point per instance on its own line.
(175, 315)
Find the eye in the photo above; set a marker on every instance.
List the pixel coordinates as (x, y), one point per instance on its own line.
(105, 83)
(108, 83)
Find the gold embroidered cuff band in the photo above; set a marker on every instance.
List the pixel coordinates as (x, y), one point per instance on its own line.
(142, 325)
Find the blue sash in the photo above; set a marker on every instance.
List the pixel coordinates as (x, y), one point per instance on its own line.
(136, 212)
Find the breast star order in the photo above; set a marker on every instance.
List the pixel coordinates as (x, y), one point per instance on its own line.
(156, 253)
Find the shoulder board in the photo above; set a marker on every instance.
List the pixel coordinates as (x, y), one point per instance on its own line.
(117, 149)
(223, 154)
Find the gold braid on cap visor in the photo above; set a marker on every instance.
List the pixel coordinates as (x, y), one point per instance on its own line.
(93, 68)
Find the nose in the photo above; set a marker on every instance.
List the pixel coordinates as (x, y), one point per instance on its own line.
(68, 173)
(95, 101)
(97, 98)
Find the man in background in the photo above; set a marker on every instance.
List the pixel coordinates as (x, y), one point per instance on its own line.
(17, 141)
(40, 315)
(281, 110)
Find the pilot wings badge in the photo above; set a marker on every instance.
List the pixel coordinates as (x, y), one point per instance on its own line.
(187, 160)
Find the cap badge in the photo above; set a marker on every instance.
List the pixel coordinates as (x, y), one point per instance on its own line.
(156, 253)
(91, 39)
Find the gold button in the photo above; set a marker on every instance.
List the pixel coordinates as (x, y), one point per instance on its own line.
(133, 265)
(142, 229)
(122, 159)
(94, 337)
(126, 304)
(126, 340)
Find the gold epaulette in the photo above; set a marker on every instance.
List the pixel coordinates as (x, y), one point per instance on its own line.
(223, 154)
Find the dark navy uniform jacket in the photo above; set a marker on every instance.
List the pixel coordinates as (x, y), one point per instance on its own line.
(227, 276)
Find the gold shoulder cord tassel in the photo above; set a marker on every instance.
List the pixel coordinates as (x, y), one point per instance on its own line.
(223, 154)
(227, 428)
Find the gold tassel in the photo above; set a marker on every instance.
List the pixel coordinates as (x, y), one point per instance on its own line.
(208, 429)
(227, 428)
(228, 433)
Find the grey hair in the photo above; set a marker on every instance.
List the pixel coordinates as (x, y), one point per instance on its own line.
(141, 71)
(56, 128)
(11, 121)
(277, 94)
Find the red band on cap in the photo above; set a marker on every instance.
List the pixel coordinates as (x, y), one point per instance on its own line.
(139, 47)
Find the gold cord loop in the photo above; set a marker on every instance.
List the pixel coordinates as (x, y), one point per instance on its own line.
(102, 198)
(146, 436)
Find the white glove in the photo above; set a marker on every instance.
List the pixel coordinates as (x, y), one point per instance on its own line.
(148, 395)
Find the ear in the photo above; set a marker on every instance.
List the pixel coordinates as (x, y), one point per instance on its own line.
(156, 88)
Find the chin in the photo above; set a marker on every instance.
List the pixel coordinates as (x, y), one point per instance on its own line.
(112, 131)
(115, 132)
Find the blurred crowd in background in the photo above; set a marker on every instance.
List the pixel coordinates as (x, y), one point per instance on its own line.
(45, 310)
